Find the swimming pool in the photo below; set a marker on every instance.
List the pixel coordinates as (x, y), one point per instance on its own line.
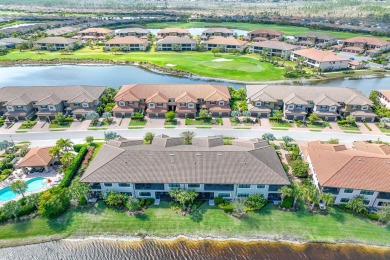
(32, 185)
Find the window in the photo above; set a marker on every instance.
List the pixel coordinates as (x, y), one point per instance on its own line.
(274, 187)
(344, 200)
(144, 194)
(267, 103)
(194, 186)
(151, 105)
(107, 184)
(142, 100)
(174, 185)
(364, 107)
(85, 105)
(96, 186)
(244, 186)
(299, 106)
(190, 105)
(171, 100)
(121, 103)
(332, 108)
(51, 107)
(130, 102)
(242, 195)
(221, 103)
(224, 187)
(366, 202)
(44, 107)
(260, 186)
(10, 108)
(76, 104)
(258, 104)
(366, 192)
(290, 107)
(212, 103)
(354, 107)
(348, 190)
(160, 104)
(149, 186)
(182, 104)
(224, 195)
(124, 184)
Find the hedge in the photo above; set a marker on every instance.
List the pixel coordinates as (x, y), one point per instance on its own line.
(77, 147)
(206, 118)
(69, 174)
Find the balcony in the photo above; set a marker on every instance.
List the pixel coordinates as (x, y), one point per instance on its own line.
(219, 187)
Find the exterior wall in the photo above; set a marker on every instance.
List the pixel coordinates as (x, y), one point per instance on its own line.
(55, 47)
(224, 47)
(176, 47)
(74, 106)
(128, 47)
(328, 65)
(236, 192)
(384, 101)
(273, 52)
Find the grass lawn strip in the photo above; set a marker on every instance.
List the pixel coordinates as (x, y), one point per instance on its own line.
(189, 121)
(161, 221)
(137, 123)
(56, 126)
(279, 128)
(280, 124)
(352, 132)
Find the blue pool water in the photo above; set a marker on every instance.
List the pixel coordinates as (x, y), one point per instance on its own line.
(32, 185)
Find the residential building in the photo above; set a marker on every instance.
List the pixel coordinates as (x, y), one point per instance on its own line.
(176, 43)
(384, 98)
(207, 166)
(186, 99)
(311, 39)
(95, 34)
(368, 45)
(11, 43)
(347, 173)
(37, 158)
(179, 32)
(62, 30)
(225, 44)
(265, 33)
(323, 60)
(297, 102)
(45, 102)
(211, 32)
(127, 43)
(57, 43)
(136, 32)
(273, 48)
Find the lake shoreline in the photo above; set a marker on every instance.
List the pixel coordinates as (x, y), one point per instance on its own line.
(9, 243)
(170, 71)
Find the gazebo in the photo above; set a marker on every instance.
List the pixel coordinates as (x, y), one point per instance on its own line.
(38, 158)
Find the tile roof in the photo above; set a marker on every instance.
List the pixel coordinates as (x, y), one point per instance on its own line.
(133, 30)
(136, 92)
(173, 30)
(224, 164)
(307, 93)
(225, 41)
(266, 31)
(56, 40)
(385, 93)
(186, 97)
(320, 56)
(218, 30)
(36, 157)
(321, 36)
(157, 97)
(372, 147)
(277, 45)
(97, 30)
(368, 40)
(24, 95)
(51, 99)
(176, 40)
(127, 40)
(351, 169)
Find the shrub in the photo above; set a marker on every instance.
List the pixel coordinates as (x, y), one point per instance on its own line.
(114, 199)
(146, 201)
(77, 147)
(374, 217)
(255, 201)
(286, 203)
(53, 202)
(205, 118)
(137, 116)
(69, 174)
(219, 201)
(227, 208)
(133, 204)
(299, 168)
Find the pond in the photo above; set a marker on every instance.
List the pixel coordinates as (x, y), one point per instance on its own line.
(116, 76)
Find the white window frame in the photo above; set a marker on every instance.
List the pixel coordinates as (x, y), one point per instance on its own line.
(333, 109)
(130, 102)
(139, 194)
(243, 188)
(230, 195)
(51, 107)
(10, 108)
(258, 103)
(182, 104)
(365, 107)
(221, 103)
(85, 104)
(151, 105)
(191, 105)
(212, 103)
(122, 104)
(290, 107)
(174, 185)
(159, 104)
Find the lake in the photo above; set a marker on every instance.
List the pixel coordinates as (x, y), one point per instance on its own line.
(116, 76)
(189, 249)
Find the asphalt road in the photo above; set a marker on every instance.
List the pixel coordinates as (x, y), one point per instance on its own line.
(49, 138)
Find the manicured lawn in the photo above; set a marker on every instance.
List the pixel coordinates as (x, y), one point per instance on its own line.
(237, 67)
(289, 30)
(55, 126)
(280, 124)
(315, 125)
(170, 123)
(383, 129)
(137, 123)
(162, 221)
(349, 127)
(189, 121)
(28, 125)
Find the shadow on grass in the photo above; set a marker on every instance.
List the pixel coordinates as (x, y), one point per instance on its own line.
(62, 222)
(338, 215)
(197, 216)
(142, 217)
(22, 225)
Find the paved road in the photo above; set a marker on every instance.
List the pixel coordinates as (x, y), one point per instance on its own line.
(49, 138)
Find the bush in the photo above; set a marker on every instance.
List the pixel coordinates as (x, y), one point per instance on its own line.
(114, 199)
(299, 168)
(146, 202)
(286, 203)
(374, 217)
(255, 201)
(205, 118)
(227, 208)
(53, 202)
(69, 174)
(138, 116)
(77, 147)
(219, 201)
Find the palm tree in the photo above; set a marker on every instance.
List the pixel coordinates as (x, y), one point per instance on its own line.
(174, 194)
(65, 144)
(327, 198)
(285, 191)
(193, 195)
(19, 187)
(297, 192)
(357, 204)
(311, 194)
(67, 160)
(55, 151)
(268, 137)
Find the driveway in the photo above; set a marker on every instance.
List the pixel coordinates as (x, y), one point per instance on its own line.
(40, 126)
(359, 58)
(80, 125)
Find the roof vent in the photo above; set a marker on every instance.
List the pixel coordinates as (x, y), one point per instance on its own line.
(151, 154)
(219, 154)
(198, 154)
(172, 154)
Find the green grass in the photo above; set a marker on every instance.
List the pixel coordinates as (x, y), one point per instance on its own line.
(97, 128)
(162, 221)
(169, 126)
(170, 123)
(238, 67)
(315, 125)
(27, 125)
(280, 124)
(57, 126)
(352, 132)
(349, 127)
(289, 30)
(384, 130)
(315, 130)
(189, 121)
(21, 131)
(137, 123)
(279, 128)
(242, 127)
(203, 126)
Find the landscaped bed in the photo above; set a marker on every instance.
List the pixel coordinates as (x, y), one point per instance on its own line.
(283, 124)
(189, 121)
(27, 125)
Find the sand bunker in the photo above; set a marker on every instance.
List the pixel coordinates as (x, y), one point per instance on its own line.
(221, 60)
(170, 65)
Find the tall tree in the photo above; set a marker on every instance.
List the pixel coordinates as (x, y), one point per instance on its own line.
(65, 144)
(187, 136)
(327, 198)
(55, 151)
(19, 187)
